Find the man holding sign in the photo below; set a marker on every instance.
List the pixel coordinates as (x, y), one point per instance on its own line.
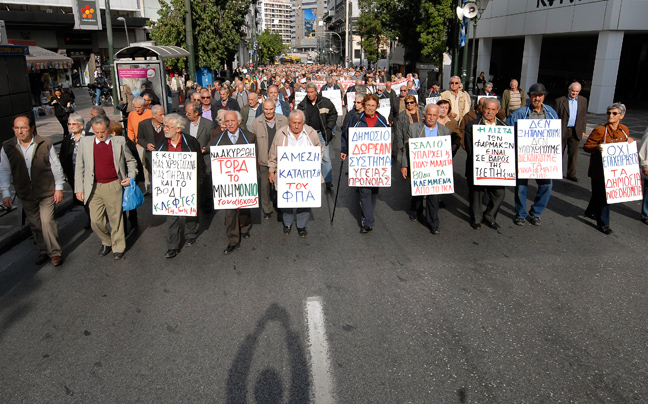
(238, 222)
(174, 142)
(612, 132)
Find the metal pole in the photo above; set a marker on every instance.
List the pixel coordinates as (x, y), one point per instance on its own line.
(190, 43)
(346, 36)
(464, 69)
(471, 84)
(455, 56)
(111, 52)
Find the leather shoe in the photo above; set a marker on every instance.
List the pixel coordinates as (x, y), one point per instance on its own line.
(605, 230)
(188, 243)
(302, 232)
(230, 249)
(118, 256)
(287, 229)
(574, 179)
(245, 235)
(56, 260)
(365, 229)
(492, 225)
(267, 215)
(413, 217)
(436, 230)
(329, 184)
(475, 226)
(105, 249)
(42, 258)
(171, 253)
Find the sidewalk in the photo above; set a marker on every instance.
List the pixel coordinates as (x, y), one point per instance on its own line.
(12, 228)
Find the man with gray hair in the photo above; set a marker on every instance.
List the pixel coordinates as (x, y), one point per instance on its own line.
(572, 110)
(149, 134)
(281, 107)
(176, 141)
(459, 100)
(95, 111)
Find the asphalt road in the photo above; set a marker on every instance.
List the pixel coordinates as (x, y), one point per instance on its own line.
(549, 314)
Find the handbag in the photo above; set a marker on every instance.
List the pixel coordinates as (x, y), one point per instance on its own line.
(122, 107)
(69, 110)
(133, 197)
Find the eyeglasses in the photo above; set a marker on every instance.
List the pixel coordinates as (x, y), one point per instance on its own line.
(205, 98)
(613, 113)
(410, 102)
(455, 82)
(73, 123)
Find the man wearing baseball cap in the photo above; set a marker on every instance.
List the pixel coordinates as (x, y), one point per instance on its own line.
(536, 109)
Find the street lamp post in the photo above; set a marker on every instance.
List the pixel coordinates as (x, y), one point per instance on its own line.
(111, 52)
(122, 19)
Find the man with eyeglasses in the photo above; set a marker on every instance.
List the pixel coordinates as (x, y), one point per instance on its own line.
(459, 100)
(207, 106)
(31, 163)
(536, 109)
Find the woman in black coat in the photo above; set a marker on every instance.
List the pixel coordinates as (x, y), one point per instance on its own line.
(61, 103)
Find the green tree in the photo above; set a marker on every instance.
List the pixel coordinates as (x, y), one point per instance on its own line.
(372, 27)
(434, 38)
(269, 46)
(172, 30)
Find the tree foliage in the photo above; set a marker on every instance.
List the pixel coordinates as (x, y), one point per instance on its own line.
(217, 28)
(269, 46)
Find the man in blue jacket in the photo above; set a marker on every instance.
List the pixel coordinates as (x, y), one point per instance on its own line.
(534, 110)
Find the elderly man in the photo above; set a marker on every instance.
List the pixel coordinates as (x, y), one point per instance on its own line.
(95, 111)
(265, 128)
(427, 128)
(513, 98)
(241, 95)
(31, 163)
(470, 116)
(536, 109)
(149, 133)
(226, 103)
(175, 141)
(104, 165)
(136, 116)
(281, 107)
(572, 110)
(459, 100)
(476, 193)
(238, 222)
(200, 129)
(295, 134)
(321, 115)
(148, 90)
(435, 90)
(251, 111)
(643, 161)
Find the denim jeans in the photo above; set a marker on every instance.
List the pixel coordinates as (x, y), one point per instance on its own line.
(301, 214)
(541, 199)
(98, 93)
(327, 167)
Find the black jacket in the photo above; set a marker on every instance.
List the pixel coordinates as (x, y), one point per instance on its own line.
(327, 113)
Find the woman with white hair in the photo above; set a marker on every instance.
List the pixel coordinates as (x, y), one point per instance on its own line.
(68, 153)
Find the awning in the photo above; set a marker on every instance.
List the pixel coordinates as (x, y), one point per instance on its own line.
(40, 55)
(145, 50)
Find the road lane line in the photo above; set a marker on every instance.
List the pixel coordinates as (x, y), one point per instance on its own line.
(319, 352)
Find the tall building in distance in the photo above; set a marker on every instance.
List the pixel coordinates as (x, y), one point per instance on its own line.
(277, 17)
(308, 25)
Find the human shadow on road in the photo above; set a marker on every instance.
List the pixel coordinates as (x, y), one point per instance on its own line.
(268, 386)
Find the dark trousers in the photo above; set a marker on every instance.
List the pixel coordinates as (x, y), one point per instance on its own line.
(63, 120)
(431, 208)
(570, 145)
(475, 206)
(598, 203)
(237, 221)
(177, 225)
(368, 197)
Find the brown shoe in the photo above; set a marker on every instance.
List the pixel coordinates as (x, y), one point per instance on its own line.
(56, 260)
(42, 258)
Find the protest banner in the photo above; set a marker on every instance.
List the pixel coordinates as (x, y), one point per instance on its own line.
(234, 176)
(319, 84)
(384, 107)
(345, 84)
(335, 96)
(396, 85)
(174, 179)
(430, 165)
(539, 148)
(299, 177)
(622, 172)
(299, 96)
(370, 157)
(431, 100)
(494, 155)
(350, 99)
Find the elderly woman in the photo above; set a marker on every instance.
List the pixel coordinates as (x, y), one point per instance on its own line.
(488, 90)
(68, 154)
(412, 114)
(444, 109)
(370, 118)
(611, 132)
(61, 103)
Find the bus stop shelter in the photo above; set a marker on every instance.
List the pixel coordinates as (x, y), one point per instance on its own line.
(141, 62)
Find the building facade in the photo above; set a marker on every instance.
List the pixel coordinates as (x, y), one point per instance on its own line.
(601, 43)
(277, 16)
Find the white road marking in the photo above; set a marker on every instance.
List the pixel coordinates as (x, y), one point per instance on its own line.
(322, 392)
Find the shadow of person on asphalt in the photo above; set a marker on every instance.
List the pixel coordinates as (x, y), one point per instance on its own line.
(268, 386)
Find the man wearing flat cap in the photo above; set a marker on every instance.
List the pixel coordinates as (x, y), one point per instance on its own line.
(536, 109)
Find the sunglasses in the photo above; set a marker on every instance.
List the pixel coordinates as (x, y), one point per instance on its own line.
(205, 98)
(455, 82)
(613, 113)
(410, 102)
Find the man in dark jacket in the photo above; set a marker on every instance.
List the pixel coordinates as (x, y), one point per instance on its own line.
(174, 140)
(226, 102)
(572, 110)
(148, 89)
(321, 115)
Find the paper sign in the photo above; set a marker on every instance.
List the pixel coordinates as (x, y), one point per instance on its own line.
(370, 157)
(350, 99)
(335, 96)
(539, 148)
(384, 107)
(494, 155)
(299, 96)
(431, 100)
(234, 177)
(299, 177)
(622, 172)
(174, 179)
(430, 165)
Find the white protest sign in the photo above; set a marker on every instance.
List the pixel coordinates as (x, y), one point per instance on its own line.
(299, 96)
(539, 148)
(622, 172)
(494, 155)
(174, 179)
(431, 100)
(319, 84)
(430, 165)
(335, 97)
(370, 157)
(350, 98)
(234, 176)
(396, 85)
(299, 177)
(384, 107)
